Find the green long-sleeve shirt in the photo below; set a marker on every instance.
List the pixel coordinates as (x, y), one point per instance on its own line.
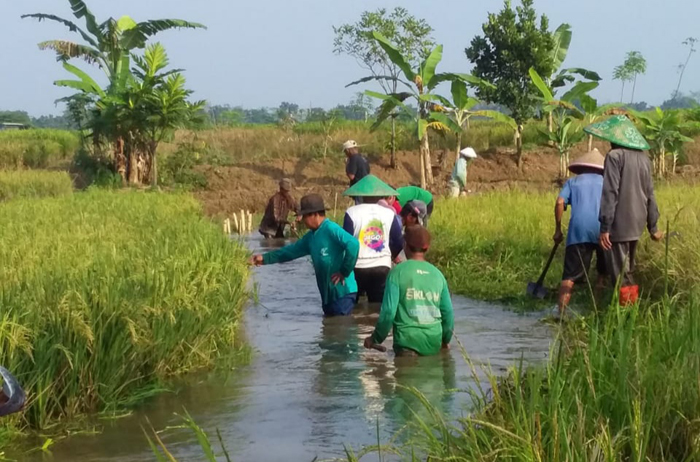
(417, 305)
(332, 251)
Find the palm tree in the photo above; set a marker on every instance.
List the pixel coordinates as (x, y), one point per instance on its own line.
(635, 64)
(622, 74)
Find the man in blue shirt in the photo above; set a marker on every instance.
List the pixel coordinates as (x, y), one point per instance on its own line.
(583, 194)
(333, 254)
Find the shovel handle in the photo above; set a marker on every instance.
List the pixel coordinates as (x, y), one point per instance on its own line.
(549, 262)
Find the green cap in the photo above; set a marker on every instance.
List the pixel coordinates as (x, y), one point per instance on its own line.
(618, 130)
(370, 186)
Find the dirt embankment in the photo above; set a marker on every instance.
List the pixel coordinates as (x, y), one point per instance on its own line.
(248, 185)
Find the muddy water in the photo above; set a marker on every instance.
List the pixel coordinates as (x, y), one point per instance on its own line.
(311, 386)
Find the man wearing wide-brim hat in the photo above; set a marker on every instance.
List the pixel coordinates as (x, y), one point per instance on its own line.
(333, 254)
(582, 193)
(378, 230)
(628, 204)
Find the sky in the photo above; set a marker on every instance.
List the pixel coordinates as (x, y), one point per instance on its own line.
(260, 53)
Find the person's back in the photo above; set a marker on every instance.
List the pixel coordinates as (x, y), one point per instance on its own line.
(583, 193)
(371, 224)
(416, 304)
(410, 193)
(358, 166)
(629, 206)
(420, 287)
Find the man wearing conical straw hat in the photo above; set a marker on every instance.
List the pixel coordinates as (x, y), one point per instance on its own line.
(379, 232)
(582, 193)
(628, 204)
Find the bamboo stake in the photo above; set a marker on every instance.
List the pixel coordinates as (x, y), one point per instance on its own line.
(250, 222)
(243, 222)
(235, 221)
(335, 205)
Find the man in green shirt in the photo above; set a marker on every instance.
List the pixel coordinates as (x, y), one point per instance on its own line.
(417, 303)
(414, 193)
(333, 253)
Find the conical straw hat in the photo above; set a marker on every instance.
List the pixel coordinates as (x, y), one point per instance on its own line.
(592, 160)
(619, 130)
(370, 186)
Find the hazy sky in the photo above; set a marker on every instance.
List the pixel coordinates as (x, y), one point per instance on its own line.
(260, 53)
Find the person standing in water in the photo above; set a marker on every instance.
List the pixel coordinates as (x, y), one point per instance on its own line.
(333, 254)
(379, 234)
(628, 204)
(412, 193)
(417, 303)
(583, 194)
(275, 219)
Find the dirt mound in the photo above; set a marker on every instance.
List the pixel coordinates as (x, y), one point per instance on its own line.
(249, 185)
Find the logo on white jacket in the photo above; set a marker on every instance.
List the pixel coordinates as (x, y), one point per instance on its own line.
(372, 235)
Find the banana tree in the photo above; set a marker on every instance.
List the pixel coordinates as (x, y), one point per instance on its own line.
(568, 130)
(563, 76)
(107, 44)
(663, 131)
(460, 111)
(420, 84)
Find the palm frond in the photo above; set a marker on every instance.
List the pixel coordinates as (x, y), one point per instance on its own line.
(71, 25)
(66, 50)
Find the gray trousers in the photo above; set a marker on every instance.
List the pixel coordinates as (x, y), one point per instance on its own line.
(621, 261)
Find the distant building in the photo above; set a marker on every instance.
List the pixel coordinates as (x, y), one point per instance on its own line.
(13, 126)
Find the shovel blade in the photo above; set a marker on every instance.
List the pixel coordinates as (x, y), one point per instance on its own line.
(536, 291)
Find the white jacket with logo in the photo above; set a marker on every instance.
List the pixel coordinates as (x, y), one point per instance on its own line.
(379, 231)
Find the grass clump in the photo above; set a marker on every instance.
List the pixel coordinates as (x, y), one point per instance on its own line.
(106, 295)
(489, 246)
(36, 148)
(33, 183)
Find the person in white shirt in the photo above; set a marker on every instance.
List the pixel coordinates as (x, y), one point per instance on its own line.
(379, 233)
(458, 180)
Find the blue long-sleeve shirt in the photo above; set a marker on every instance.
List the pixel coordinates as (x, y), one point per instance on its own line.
(332, 250)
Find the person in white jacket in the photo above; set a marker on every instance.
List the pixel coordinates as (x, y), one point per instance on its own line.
(379, 234)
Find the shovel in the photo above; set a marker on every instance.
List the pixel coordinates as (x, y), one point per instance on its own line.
(535, 289)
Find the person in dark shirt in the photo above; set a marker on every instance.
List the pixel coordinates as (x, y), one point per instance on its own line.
(278, 208)
(356, 167)
(628, 204)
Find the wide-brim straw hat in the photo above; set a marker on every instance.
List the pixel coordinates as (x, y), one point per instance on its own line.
(590, 160)
(370, 186)
(618, 130)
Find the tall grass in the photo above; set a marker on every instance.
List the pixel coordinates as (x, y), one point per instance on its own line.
(489, 246)
(620, 387)
(33, 183)
(105, 295)
(36, 148)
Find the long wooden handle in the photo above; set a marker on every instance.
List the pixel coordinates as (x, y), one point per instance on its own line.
(549, 262)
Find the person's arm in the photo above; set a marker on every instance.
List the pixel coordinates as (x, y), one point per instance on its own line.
(395, 238)
(611, 193)
(652, 209)
(290, 252)
(390, 304)
(349, 225)
(352, 250)
(351, 167)
(447, 313)
(562, 201)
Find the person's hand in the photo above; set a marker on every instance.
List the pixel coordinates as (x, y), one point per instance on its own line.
(256, 260)
(657, 236)
(338, 278)
(558, 236)
(604, 241)
(369, 343)
(445, 346)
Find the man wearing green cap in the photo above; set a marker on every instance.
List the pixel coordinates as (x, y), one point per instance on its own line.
(333, 253)
(417, 303)
(628, 204)
(379, 234)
